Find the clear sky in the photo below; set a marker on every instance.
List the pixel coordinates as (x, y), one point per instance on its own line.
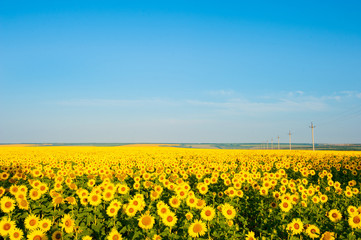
(180, 71)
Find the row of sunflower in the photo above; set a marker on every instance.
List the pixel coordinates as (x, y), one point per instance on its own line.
(171, 193)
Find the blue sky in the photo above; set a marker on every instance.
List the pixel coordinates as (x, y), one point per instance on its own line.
(180, 71)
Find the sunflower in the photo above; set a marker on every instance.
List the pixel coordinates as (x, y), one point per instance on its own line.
(355, 221)
(67, 223)
(7, 204)
(182, 194)
(162, 210)
(34, 194)
(169, 219)
(334, 215)
(130, 210)
(285, 205)
(114, 235)
(37, 235)
(20, 195)
(156, 237)
(137, 203)
(146, 221)
(57, 200)
(189, 216)
(123, 189)
(14, 189)
(91, 183)
(191, 201)
(228, 211)
(108, 195)
(32, 222)
(45, 224)
(323, 198)
(87, 237)
(200, 204)
(313, 231)
(16, 234)
(250, 236)
(43, 188)
(203, 189)
(154, 195)
(2, 191)
(6, 226)
(84, 201)
(208, 213)
(352, 210)
(296, 226)
(23, 204)
(174, 202)
(263, 191)
(240, 193)
(197, 228)
(316, 199)
(94, 199)
(328, 236)
(116, 203)
(56, 235)
(112, 210)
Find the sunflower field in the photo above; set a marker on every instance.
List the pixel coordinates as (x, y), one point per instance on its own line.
(119, 193)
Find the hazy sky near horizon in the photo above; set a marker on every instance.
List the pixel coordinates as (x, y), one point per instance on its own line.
(180, 71)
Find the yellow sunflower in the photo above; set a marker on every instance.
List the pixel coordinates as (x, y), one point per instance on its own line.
(94, 199)
(114, 235)
(328, 236)
(34, 194)
(156, 237)
(352, 210)
(191, 201)
(112, 210)
(45, 224)
(23, 204)
(108, 195)
(355, 221)
(14, 189)
(7, 204)
(208, 213)
(37, 235)
(200, 204)
(32, 222)
(2, 191)
(334, 215)
(313, 231)
(137, 203)
(16, 234)
(6, 226)
(162, 210)
(197, 229)
(189, 216)
(228, 211)
(123, 189)
(146, 221)
(87, 237)
(67, 223)
(169, 219)
(174, 202)
(285, 205)
(296, 226)
(250, 236)
(130, 210)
